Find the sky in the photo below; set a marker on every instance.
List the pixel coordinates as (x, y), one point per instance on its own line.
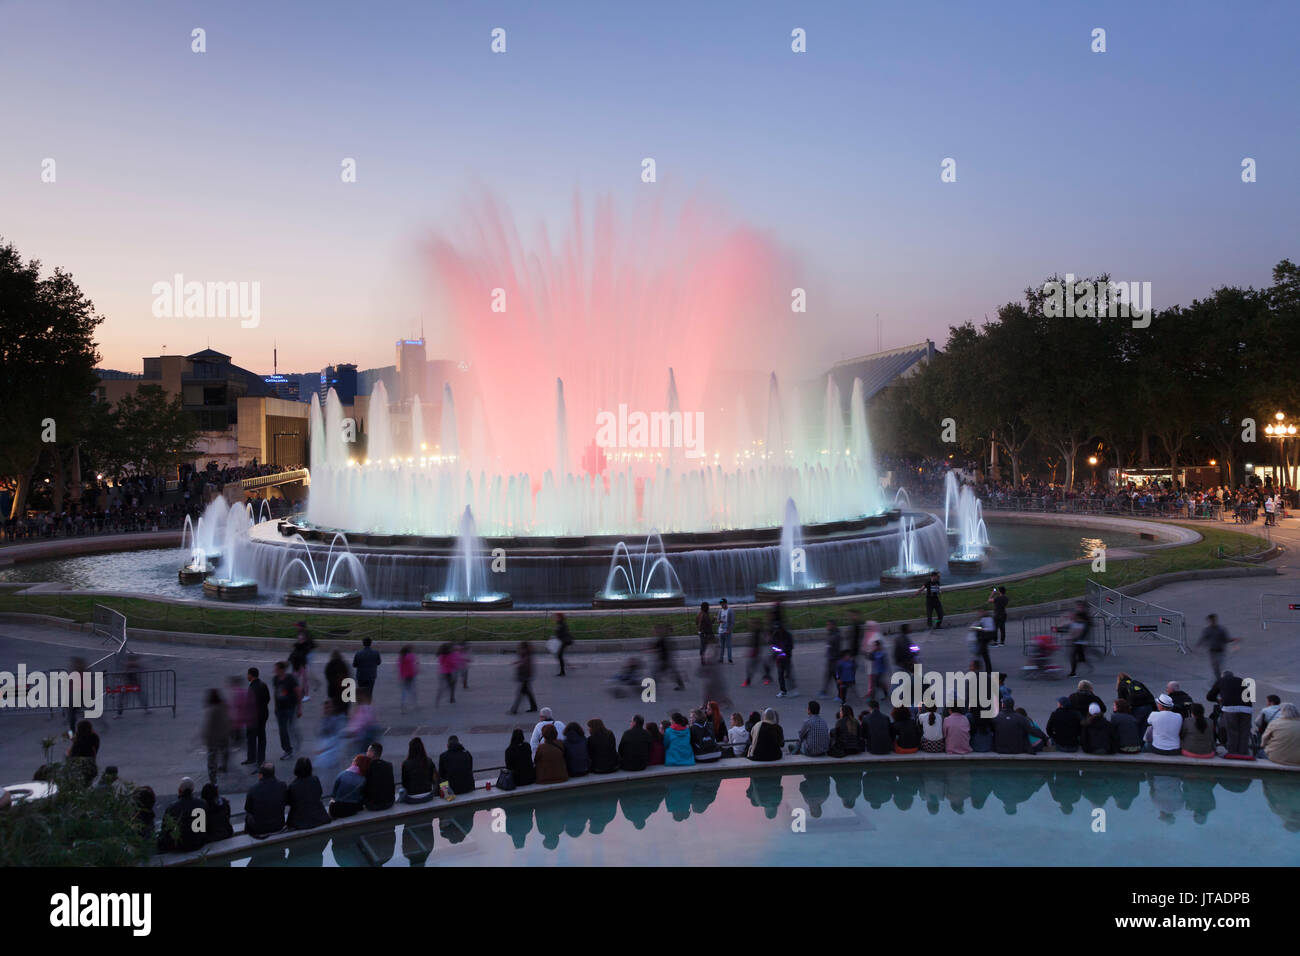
(226, 165)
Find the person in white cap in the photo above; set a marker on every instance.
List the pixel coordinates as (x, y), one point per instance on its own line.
(1164, 728)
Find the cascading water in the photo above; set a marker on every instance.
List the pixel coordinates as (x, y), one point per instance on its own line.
(320, 589)
(629, 586)
(466, 585)
(794, 576)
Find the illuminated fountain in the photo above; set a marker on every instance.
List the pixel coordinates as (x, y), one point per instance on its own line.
(320, 589)
(234, 546)
(627, 586)
(910, 571)
(204, 537)
(794, 578)
(467, 588)
(971, 534)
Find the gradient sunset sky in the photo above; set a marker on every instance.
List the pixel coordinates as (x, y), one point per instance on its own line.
(224, 166)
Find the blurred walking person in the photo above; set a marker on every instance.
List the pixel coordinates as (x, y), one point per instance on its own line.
(524, 674)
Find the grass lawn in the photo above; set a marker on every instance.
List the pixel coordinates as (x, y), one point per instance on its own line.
(1219, 545)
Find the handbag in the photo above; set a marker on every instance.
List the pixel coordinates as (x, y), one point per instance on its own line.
(553, 645)
(505, 780)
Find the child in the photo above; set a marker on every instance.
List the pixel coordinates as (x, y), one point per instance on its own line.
(845, 675)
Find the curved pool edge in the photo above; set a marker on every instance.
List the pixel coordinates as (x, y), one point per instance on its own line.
(481, 799)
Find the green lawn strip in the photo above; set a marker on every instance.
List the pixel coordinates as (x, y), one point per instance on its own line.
(1057, 585)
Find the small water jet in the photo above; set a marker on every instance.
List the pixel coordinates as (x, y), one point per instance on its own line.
(971, 532)
(638, 588)
(795, 580)
(909, 572)
(466, 588)
(320, 590)
(234, 539)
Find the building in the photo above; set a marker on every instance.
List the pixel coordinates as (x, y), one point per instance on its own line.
(411, 363)
(210, 388)
(341, 378)
(879, 370)
(283, 386)
(273, 431)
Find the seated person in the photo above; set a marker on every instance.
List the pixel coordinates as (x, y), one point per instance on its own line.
(1126, 737)
(767, 739)
(178, 834)
(218, 808)
(549, 764)
(348, 794)
(906, 731)
(420, 778)
(456, 766)
(1096, 731)
(305, 808)
(1164, 728)
(519, 760)
(380, 792)
(737, 736)
(1197, 734)
(846, 735)
(265, 803)
(704, 744)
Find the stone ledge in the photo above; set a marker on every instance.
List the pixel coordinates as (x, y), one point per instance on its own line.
(482, 798)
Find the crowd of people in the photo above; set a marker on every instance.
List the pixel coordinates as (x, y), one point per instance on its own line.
(136, 503)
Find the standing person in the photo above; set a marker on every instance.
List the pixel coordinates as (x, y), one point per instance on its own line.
(408, 669)
(878, 682)
(286, 709)
(726, 624)
(237, 694)
(999, 599)
(1229, 692)
(985, 634)
(300, 660)
(1080, 627)
(333, 729)
(759, 655)
(336, 672)
(216, 734)
(834, 643)
(131, 685)
(462, 663)
(933, 606)
(846, 674)
(563, 639)
(366, 663)
(1216, 639)
(446, 672)
(704, 625)
(259, 707)
(783, 648)
(524, 674)
(665, 656)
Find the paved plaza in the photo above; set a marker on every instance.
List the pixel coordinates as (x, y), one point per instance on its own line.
(156, 749)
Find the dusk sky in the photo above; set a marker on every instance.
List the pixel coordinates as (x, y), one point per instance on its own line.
(225, 165)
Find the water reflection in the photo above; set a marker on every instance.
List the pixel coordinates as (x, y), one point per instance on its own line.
(835, 799)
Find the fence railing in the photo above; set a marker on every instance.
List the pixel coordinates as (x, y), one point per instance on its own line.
(1132, 622)
(140, 690)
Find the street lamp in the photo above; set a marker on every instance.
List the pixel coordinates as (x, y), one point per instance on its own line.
(1092, 460)
(1281, 430)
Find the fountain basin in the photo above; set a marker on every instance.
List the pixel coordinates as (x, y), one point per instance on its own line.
(965, 561)
(488, 601)
(775, 590)
(323, 597)
(618, 599)
(904, 578)
(227, 589)
(192, 575)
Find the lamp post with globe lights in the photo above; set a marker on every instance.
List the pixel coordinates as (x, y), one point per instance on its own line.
(1282, 430)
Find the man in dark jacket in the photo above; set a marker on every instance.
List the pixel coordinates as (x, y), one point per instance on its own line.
(456, 766)
(1182, 700)
(179, 833)
(259, 704)
(634, 747)
(1229, 693)
(366, 664)
(265, 803)
(1010, 730)
(875, 728)
(1064, 726)
(1082, 698)
(1125, 735)
(380, 791)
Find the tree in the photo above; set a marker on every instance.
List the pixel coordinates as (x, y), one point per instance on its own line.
(150, 434)
(47, 364)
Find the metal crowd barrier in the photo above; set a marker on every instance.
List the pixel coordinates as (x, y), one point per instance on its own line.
(140, 690)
